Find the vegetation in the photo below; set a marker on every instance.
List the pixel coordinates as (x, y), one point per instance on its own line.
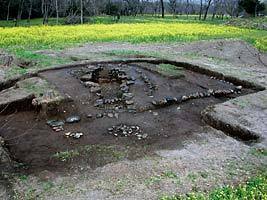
(255, 188)
(46, 37)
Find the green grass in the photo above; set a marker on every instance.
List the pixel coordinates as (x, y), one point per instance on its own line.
(66, 155)
(101, 151)
(171, 70)
(254, 188)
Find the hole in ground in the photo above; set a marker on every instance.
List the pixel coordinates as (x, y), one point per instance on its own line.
(126, 111)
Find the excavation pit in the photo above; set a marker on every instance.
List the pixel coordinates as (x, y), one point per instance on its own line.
(132, 109)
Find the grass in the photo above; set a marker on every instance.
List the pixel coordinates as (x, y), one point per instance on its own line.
(171, 70)
(66, 155)
(259, 152)
(254, 188)
(131, 53)
(164, 175)
(101, 151)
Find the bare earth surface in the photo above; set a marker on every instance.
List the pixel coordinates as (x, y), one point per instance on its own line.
(181, 154)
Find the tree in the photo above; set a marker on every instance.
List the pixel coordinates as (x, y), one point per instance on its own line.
(200, 10)
(8, 10)
(162, 8)
(207, 9)
(173, 4)
(81, 11)
(252, 7)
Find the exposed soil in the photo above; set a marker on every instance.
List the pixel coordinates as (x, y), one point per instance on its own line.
(31, 141)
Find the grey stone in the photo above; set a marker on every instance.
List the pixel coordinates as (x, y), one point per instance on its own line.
(73, 119)
(127, 96)
(86, 77)
(55, 123)
(129, 102)
(90, 84)
(99, 115)
(95, 89)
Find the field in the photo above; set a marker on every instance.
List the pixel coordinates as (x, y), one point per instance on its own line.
(134, 30)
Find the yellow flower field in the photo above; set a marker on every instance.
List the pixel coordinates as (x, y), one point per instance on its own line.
(61, 36)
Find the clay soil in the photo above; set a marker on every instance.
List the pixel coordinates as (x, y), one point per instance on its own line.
(32, 142)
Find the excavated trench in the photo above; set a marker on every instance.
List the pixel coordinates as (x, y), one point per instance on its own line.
(119, 110)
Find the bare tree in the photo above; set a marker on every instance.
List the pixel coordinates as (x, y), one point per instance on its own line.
(207, 9)
(46, 6)
(162, 8)
(200, 10)
(30, 10)
(8, 10)
(57, 11)
(81, 7)
(173, 5)
(20, 9)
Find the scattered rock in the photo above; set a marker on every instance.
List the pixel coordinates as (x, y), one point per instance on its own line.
(73, 119)
(129, 102)
(89, 116)
(75, 135)
(99, 115)
(90, 84)
(95, 89)
(155, 113)
(127, 131)
(86, 77)
(55, 123)
(127, 96)
(99, 102)
(110, 115)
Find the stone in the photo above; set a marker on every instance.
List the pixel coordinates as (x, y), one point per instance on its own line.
(170, 100)
(99, 102)
(155, 113)
(73, 119)
(129, 102)
(86, 77)
(126, 131)
(89, 116)
(90, 84)
(130, 82)
(99, 115)
(116, 115)
(239, 88)
(185, 98)
(95, 89)
(75, 135)
(55, 123)
(110, 115)
(127, 96)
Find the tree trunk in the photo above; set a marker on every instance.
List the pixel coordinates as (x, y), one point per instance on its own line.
(30, 11)
(201, 8)
(20, 9)
(214, 9)
(57, 10)
(207, 9)
(81, 11)
(8, 10)
(162, 9)
(187, 8)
